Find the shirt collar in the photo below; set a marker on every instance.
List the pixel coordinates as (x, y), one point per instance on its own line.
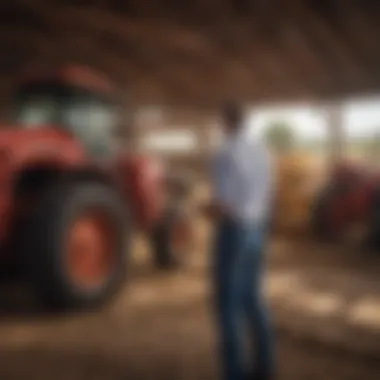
(243, 134)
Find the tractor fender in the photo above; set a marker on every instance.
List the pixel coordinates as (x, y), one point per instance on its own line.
(27, 155)
(142, 180)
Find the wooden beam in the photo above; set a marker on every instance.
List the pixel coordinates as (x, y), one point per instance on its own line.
(303, 52)
(358, 26)
(235, 54)
(231, 57)
(333, 113)
(267, 24)
(343, 64)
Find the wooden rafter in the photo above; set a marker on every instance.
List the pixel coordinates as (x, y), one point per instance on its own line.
(174, 52)
(343, 63)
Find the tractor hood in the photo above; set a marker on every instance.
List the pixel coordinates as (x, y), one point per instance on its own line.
(43, 144)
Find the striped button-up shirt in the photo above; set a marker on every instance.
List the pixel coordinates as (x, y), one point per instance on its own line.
(242, 178)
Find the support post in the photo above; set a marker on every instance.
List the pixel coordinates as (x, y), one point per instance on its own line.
(334, 123)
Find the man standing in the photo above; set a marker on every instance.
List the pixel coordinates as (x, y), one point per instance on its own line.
(242, 185)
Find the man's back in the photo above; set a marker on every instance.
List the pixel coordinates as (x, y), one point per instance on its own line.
(243, 177)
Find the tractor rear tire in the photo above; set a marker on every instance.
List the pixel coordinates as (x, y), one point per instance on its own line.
(167, 256)
(54, 255)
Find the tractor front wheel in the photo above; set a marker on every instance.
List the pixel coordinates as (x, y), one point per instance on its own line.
(74, 246)
(173, 239)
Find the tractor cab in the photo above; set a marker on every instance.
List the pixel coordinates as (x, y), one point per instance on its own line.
(69, 100)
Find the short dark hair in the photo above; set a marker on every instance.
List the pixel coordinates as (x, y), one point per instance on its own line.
(232, 112)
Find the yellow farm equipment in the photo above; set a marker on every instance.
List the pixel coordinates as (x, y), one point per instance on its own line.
(297, 180)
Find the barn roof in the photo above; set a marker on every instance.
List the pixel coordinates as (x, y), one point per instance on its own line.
(202, 51)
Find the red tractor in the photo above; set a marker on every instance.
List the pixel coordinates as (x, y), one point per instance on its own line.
(70, 196)
(351, 198)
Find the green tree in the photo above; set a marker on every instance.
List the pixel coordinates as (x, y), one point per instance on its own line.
(280, 136)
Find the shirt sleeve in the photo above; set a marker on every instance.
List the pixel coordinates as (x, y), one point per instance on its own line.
(261, 184)
(242, 181)
(222, 175)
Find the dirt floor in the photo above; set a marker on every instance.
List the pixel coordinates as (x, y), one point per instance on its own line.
(161, 326)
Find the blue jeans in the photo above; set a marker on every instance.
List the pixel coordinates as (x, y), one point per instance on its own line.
(241, 311)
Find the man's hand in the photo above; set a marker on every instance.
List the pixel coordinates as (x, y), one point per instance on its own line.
(214, 210)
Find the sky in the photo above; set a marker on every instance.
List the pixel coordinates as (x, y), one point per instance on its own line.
(361, 118)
